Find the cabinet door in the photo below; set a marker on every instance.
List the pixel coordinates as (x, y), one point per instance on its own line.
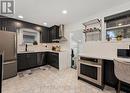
(2, 24)
(41, 59)
(32, 60)
(48, 58)
(8, 24)
(54, 33)
(89, 71)
(45, 35)
(54, 60)
(22, 62)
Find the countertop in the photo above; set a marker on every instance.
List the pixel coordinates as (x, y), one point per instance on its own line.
(105, 57)
(23, 52)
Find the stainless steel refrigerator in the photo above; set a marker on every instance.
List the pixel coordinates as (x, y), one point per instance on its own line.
(8, 47)
(1, 61)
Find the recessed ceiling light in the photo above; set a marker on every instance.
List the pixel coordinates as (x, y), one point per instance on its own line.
(20, 16)
(119, 24)
(38, 28)
(64, 12)
(45, 24)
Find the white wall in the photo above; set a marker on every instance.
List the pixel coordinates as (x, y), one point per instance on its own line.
(104, 49)
(78, 25)
(76, 41)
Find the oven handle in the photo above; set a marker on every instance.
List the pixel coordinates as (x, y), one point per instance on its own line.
(90, 64)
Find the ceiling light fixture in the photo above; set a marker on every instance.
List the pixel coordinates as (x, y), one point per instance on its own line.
(64, 12)
(119, 24)
(20, 16)
(38, 28)
(45, 24)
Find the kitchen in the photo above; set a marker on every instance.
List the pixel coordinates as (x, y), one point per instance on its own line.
(38, 57)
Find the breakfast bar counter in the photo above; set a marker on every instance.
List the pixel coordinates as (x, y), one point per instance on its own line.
(105, 57)
(109, 77)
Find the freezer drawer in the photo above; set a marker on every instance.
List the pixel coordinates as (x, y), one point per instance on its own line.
(9, 69)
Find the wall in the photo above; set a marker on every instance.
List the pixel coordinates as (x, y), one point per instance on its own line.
(76, 41)
(78, 26)
(104, 49)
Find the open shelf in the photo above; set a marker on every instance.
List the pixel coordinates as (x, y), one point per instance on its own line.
(91, 31)
(117, 27)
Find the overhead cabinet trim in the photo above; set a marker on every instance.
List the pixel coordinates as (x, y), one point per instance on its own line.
(117, 16)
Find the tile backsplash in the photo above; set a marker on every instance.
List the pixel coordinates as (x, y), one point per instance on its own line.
(40, 46)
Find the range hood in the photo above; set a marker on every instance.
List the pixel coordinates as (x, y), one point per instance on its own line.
(61, 34)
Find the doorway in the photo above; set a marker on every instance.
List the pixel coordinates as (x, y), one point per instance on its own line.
(77, 39)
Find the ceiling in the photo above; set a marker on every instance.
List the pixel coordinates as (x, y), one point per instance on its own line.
(40, 11)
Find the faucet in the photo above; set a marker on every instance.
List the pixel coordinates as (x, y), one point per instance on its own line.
(26, 47)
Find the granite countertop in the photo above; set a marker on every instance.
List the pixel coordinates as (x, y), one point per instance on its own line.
(105, 57)
(96, 56)
(22, 52)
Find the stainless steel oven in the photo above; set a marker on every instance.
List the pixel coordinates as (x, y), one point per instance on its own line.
(90, 69)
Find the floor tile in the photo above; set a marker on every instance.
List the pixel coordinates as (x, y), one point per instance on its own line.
(50, 81)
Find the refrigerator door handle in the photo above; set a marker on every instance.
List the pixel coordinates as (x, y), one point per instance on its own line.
(11, 62)
(15, 46)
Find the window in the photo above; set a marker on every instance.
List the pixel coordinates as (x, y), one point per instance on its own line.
(29, 37)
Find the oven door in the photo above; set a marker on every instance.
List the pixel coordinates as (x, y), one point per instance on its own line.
(90, 72)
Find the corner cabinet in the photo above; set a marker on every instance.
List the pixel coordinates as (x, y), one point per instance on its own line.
(49, 34)
(53, 59)
(54, 33)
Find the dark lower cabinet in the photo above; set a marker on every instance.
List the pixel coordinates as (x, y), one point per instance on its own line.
(41, 59)
(22, 62)
(53, 59)
(110, 78)
(30, 60)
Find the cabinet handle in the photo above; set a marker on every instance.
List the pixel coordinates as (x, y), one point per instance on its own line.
(4, 28)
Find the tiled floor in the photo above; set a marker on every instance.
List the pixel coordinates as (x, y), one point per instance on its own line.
(50, 81)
